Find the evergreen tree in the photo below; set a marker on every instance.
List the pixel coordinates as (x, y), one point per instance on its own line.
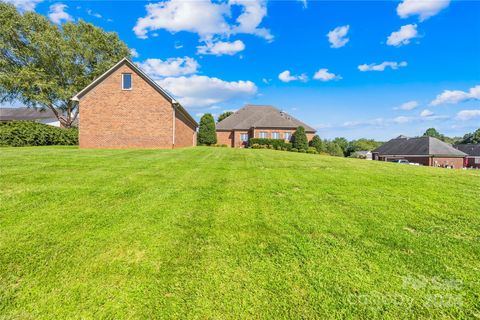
(317, 143)
(299, 138)
(334, 149)
(206, 132)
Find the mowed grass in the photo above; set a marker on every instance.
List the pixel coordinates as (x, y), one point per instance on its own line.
(226, 234)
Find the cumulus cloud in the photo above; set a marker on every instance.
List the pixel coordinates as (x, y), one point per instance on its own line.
(24, 5)
(324, 75)
(203, 91)
(221, 48)
(402, 36)
(424, 9)
(179, 15)
(456, 96)
(337, 37)
(57, 13)
(465, 115)
(134, 53)
(410, 105)
(426, 113)
(171, 67)
(285, 76)
(382, 66)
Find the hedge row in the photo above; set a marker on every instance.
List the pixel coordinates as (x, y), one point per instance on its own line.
(28, 133)
(276, 143)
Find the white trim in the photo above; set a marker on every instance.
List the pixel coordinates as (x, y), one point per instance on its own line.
(173, 128)
(131, 81)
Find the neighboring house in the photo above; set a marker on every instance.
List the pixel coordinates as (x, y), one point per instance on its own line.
(364, 154)
(253, 121)
(29, 114)
(426, 151)
(473, 154)
(125, 108)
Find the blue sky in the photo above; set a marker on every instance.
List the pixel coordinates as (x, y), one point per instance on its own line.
(387, 68)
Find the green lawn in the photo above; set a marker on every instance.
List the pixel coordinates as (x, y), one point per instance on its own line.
(221, 233)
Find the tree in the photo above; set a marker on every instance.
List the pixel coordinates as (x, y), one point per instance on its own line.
(334, 149)
(362, 145)
(432, 132)
(473, 137)
(43, 65)
(206, 132)
(299, 139)
(342, 143)
(317, 143)
(224, 115)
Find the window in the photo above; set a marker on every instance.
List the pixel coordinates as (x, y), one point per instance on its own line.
(243, 137)
(287, 135)
(275, 135)
(263, 135)
(126, 81)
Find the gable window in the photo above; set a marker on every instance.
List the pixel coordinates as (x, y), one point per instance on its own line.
(243, 137)
(287, 135)
(263, 135)
(126, 81)
(275, 135)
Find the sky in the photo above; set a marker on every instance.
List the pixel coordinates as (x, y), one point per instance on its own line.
(356, 69)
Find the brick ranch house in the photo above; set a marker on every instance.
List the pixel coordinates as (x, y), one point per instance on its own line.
(473, 154)
(427, 151)
(125, 108)
(254, 121)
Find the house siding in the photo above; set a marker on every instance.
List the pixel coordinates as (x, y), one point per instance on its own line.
(428, 160)
(185, 131)
(225, 137)
(114, 118)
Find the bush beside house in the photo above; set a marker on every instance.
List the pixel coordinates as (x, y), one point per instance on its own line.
(28, 133)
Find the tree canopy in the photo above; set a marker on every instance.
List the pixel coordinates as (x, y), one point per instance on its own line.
(473, 137)
(299, 139)
(318, 144)
(206, 132)
(224, 115)
(432, 132)
(43, 65)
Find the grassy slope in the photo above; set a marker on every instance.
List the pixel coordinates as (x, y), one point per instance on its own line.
(212, 232)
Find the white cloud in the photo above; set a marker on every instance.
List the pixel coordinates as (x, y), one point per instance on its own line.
(203, 91)
(304, 3)
(382, 66)
(266, 81)
(402, 119)
(426, 113)
(324, 75)
(337, 37)
(90, 12)
(221, 48)
(285, 76)
(178, 45)
(57, 13)
(423, 8)
(204, 17)
(456, 96)
(410, 105)
(465, 115)
(158, 68)
(134, 53)
(24, 5)
(403, 36)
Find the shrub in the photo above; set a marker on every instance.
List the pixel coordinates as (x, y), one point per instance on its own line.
(294, 150)
(302, 150)
(312, 150)
(206, 131)
(268, 142)
(29, 133)
(317, 143)
(299, 139)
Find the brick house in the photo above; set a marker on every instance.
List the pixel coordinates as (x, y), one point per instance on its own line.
(473, 154)
(254, 121)
(125, 108)
(29, 114)
(427, 151)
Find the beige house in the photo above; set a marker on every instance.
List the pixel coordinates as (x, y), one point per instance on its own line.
(125, 108)
(258, 121)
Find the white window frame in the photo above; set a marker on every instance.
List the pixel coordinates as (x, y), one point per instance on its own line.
(275, 135)
(287, 135)
(263, 133)
(242, 135)
(131, 81)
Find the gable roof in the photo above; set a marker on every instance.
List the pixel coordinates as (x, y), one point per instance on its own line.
(24, 113)
(420, 146)
(144, 76)
(471, 149)
(260, 116)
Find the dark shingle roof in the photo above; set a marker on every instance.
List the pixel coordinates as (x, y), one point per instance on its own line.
(471, 149)
(260, 117)
(424, 146)
(11, 114)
